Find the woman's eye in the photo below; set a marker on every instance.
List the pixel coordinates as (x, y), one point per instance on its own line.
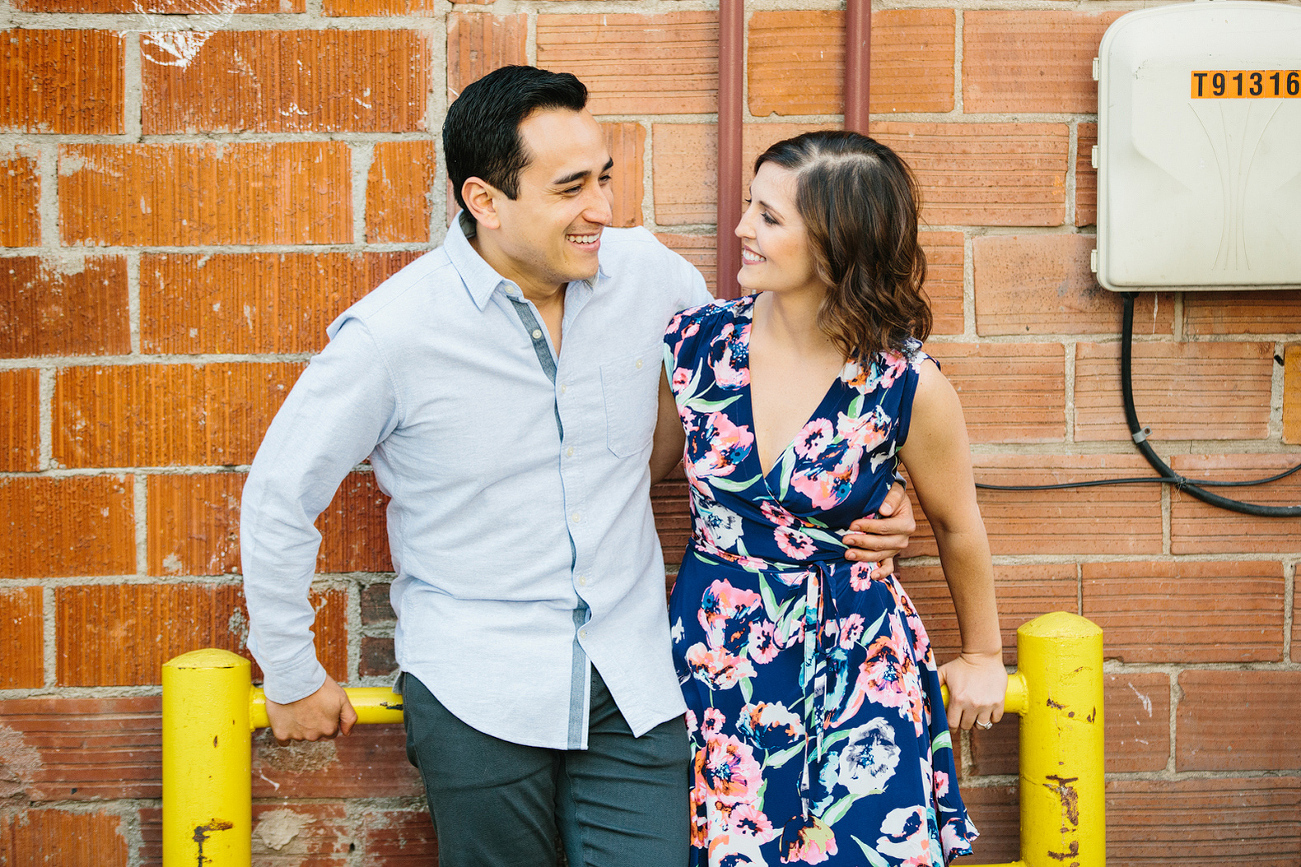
(769, 220)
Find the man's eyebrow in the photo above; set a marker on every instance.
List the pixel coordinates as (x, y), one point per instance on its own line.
(578, 176)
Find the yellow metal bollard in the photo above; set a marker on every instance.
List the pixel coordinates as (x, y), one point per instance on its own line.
(207, 760)
(1063, 820)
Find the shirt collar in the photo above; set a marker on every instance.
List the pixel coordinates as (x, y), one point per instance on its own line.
(480, 278)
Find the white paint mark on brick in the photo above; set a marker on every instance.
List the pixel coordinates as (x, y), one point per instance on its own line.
(1147, 702)
(278, 827)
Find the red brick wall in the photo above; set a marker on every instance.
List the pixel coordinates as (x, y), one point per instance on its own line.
(186, 202)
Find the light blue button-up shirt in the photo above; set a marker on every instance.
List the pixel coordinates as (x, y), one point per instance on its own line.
(520, 523)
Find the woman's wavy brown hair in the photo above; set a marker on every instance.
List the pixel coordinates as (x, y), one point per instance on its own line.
(859, 203)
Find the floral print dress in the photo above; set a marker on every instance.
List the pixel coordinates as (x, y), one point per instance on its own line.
(818, 732)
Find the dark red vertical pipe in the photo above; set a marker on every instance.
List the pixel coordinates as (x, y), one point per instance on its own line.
(731, 69)
(858, 64)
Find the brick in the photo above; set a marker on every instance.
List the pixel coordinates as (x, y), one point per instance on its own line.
(636, 64)
(1197, 528)
(1041, 284)
(478, 43)
(80, 749)
(398, 838)
(398, 192)
(369, 763)
(1265, 312)
(239, 303)
(1226, 820)
(366, 81)
(1178, 612)
(53, 527)
(160, 621)
(945, 256)
(159, 415)
(1010, 392)
(797, 61)
(627, 144)
(699, 250)
(685, 175)
(73, 306)
(358, 8)
(1296, 625)
(20, 428)
(1024, 592)
(1086, 176)
(194, 525)
(672, 515)
(20, 199)
(686, 166)
(985, 174)
(22, 641)
(202, 194)
(1137, 720)
(377, 657)
(66, 82)
(1230, 721)
(62, 837)
(1181, 390)
(995, 810)
(285, 834)
(376, 610)
(1024, 61)
(1119, 519)
(179, 39)
(1292, 394)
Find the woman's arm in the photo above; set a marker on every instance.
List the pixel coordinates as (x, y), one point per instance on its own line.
(938, 458)
(669, 436)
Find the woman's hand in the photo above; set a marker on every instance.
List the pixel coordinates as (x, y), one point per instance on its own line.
(977, 685)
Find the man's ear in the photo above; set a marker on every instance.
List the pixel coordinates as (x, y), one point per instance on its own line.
(481, 201)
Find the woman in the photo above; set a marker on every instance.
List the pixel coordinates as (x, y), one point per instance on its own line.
(819, 735)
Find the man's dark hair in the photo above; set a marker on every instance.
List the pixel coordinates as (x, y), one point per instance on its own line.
(481, 136)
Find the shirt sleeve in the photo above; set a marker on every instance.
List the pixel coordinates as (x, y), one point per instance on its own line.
(342, 406)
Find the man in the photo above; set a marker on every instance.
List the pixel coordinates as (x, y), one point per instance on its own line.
(504, 387)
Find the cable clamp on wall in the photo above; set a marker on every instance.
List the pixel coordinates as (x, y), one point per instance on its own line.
(1141, 435)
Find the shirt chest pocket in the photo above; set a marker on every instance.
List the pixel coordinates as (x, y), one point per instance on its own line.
(630, 385)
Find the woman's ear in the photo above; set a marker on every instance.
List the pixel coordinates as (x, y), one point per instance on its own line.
(481, 201)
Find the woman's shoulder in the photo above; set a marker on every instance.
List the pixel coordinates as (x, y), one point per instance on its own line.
(709, 318)
(887, 368)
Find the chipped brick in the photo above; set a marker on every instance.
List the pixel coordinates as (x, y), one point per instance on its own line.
(52, 527)
(398, 189)
(72, 306)
(66, 82)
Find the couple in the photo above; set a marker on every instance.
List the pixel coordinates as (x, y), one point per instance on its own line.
(504, 388)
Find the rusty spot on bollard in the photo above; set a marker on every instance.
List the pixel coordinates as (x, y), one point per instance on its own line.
(1069, 797)
(1073, 852)
(390, 705)
(201, 833)
(1054, 704)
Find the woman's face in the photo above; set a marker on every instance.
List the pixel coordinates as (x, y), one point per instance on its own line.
(775, 253)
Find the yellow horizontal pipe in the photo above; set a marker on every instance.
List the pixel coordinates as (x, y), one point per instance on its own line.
(1009, 864)
(374, 704)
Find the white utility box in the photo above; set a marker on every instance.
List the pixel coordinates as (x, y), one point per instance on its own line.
(1199, 148)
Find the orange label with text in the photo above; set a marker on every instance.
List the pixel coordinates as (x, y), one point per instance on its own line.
(1246, 84)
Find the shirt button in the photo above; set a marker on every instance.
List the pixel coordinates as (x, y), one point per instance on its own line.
(537, 333)
(569, 452)
(582, 633)
(639, 364)
(575, 517)
(563, 388)
(582, 580)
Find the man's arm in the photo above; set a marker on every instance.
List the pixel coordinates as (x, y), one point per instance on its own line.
(880, 540)
(341, 406)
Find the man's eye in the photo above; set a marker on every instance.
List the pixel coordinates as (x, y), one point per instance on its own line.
(572, 191)
(605, 179)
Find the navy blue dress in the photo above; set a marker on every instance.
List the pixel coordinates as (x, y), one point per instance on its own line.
(818, 732)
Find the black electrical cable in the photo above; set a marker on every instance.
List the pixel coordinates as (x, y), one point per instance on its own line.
(1139, 435)
(1167, 475)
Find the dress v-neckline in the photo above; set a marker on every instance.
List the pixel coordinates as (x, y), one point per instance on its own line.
(748, 401)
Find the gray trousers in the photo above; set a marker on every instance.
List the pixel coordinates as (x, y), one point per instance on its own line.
(620, 803)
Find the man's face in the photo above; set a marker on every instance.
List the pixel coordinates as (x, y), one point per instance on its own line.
(551, 232)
